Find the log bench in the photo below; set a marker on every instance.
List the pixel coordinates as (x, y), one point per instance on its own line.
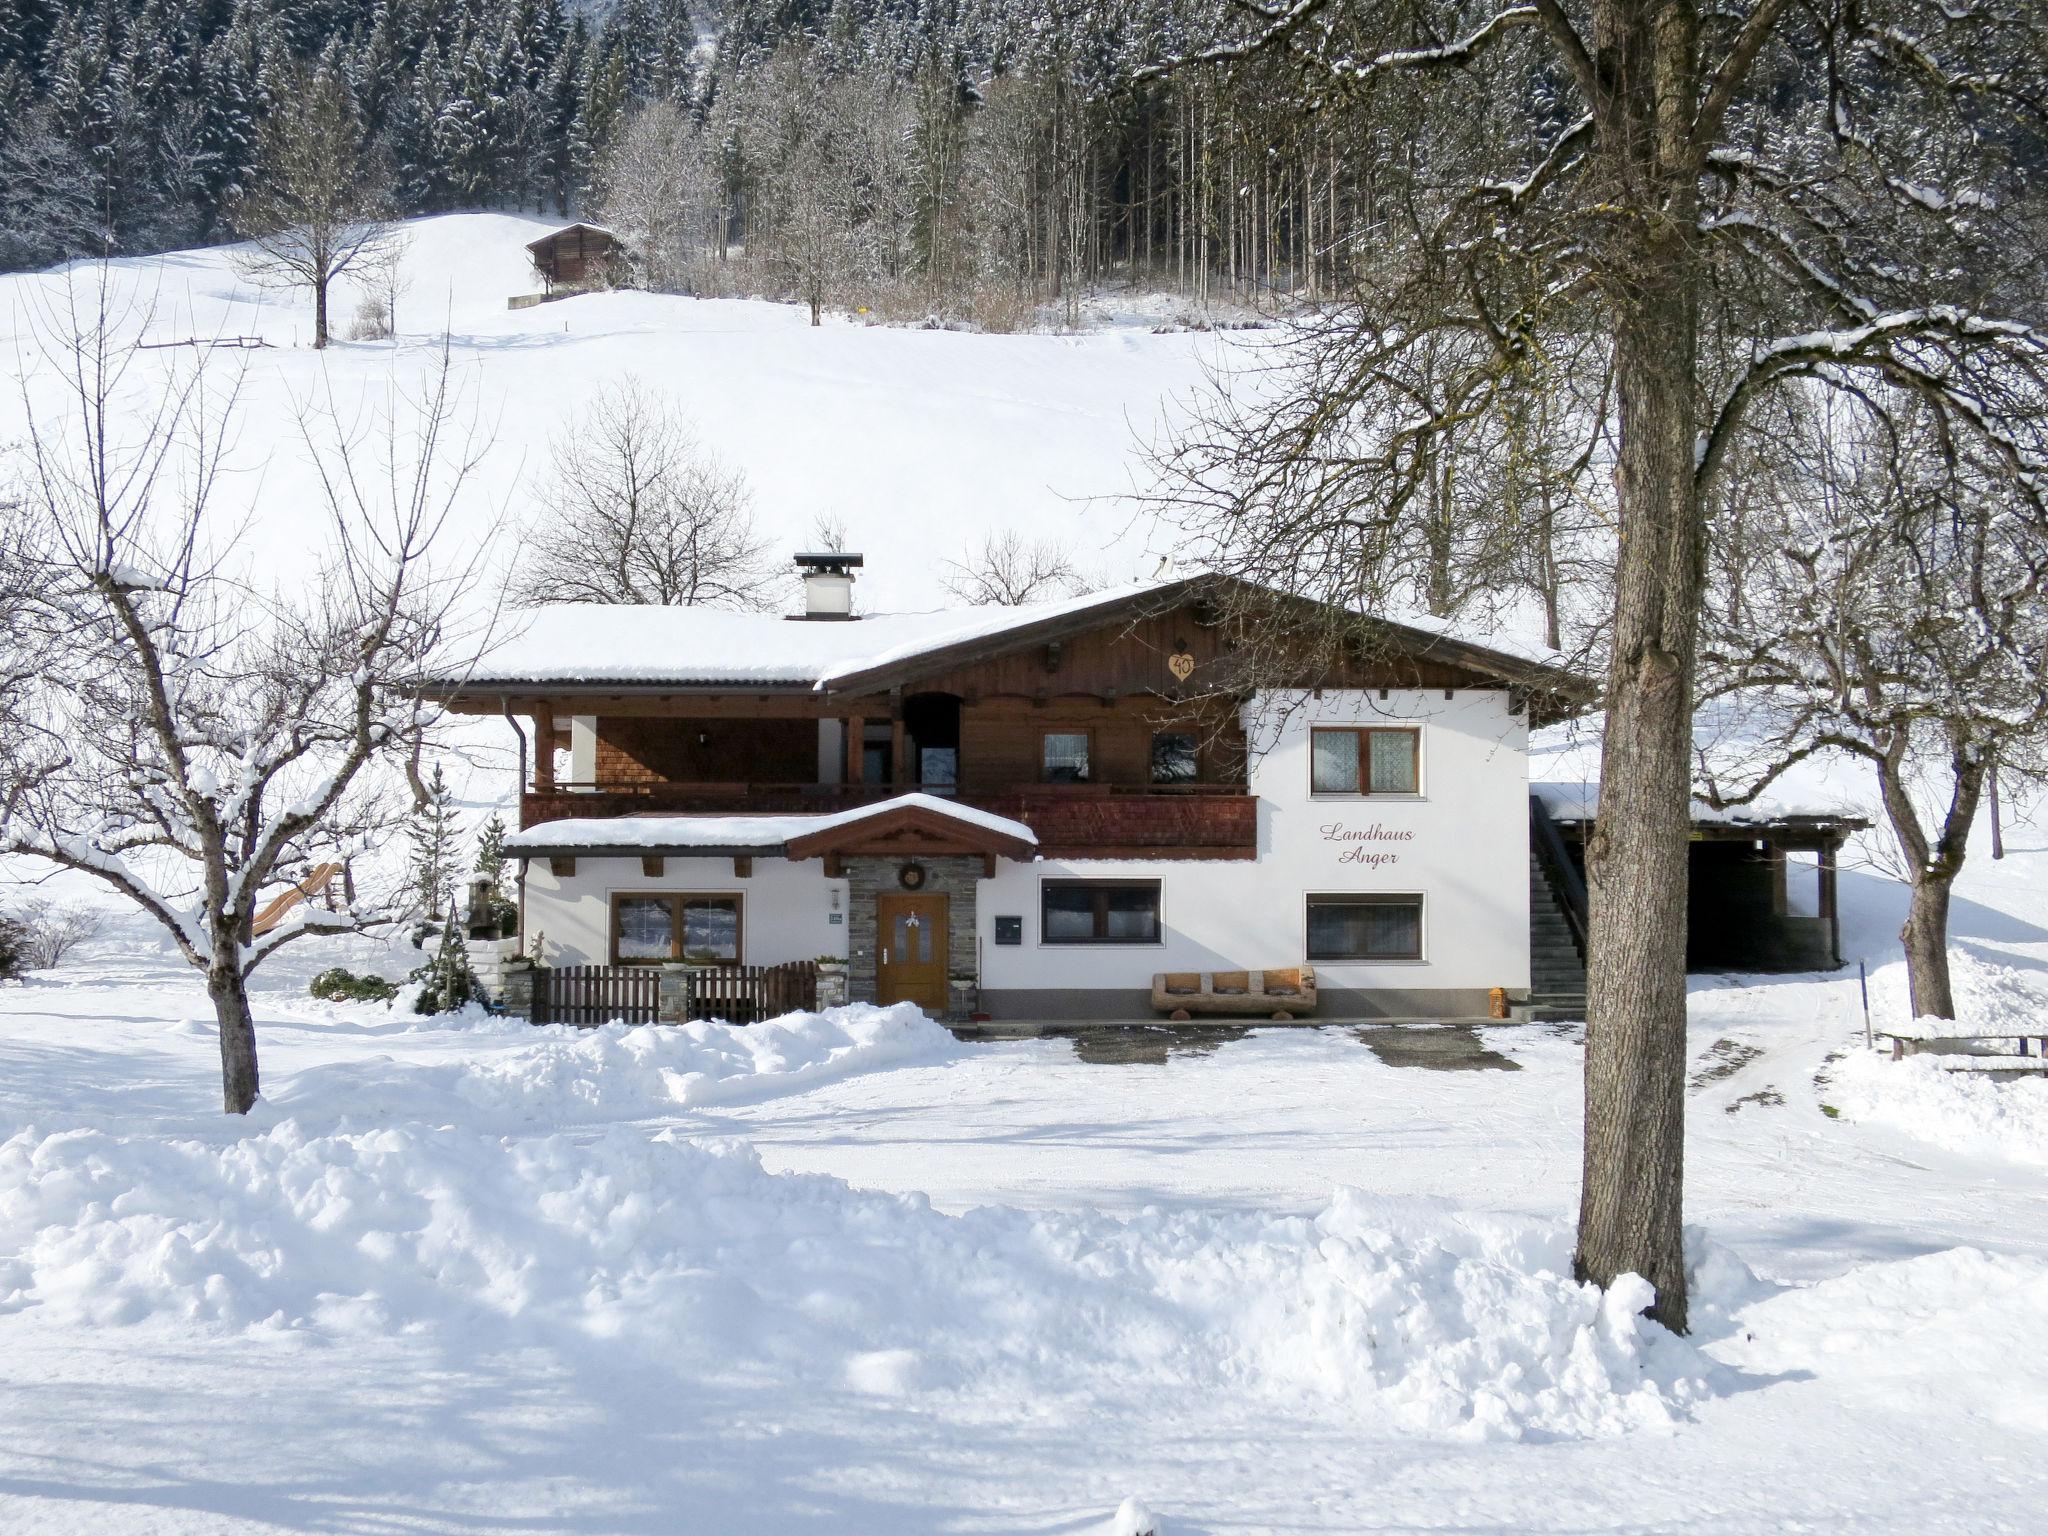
(1279, 994)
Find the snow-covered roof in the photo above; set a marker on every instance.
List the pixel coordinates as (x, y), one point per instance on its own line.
(605, 643)
(556, 234)
(586, 644)
(744, 834)
(1579, 800)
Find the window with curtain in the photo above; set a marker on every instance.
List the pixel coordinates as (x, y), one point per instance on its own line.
(1066, 757)
(1365, 927)
(656, 927)
(1365, 760)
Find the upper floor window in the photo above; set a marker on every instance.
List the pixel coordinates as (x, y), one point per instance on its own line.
(1173, 757)
(1365, 760)
(1066, 757)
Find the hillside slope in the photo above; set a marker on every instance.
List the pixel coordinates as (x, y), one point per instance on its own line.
(920, 441)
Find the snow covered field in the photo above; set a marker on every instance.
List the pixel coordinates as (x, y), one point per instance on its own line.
(921, 442)
(850, 1275)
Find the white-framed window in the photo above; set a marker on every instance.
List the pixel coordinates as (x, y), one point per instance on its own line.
(1365, 760)
(651, 927)
(1098, 912)
(1364, 925)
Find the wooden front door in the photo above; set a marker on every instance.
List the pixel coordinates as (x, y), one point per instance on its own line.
(910, 961)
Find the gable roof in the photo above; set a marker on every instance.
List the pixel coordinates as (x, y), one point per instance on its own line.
(569, 229)
(593, 647)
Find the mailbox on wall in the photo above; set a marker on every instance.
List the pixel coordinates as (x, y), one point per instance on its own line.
(1009, 930)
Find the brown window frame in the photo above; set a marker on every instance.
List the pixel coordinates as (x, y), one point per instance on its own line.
(674, 899)
(1365, 758)
(1152, 755)
(1361, 899)
(1087, 733)
(1099, 938)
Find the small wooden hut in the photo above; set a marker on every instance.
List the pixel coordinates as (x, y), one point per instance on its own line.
(574, 256)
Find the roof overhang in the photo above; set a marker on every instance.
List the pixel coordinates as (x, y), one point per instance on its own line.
(906, 826)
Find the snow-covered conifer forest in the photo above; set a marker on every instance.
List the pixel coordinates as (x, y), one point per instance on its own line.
(1671, 379)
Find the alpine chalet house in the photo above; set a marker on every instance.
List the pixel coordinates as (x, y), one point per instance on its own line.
(1078, 809)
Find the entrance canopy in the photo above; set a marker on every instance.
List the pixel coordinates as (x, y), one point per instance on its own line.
(905, 824)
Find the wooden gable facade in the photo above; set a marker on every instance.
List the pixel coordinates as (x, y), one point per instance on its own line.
(574, 256)
(1114, 733)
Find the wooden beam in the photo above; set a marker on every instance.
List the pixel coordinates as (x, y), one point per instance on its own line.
(899, 753)
(561, 865)
(651, 865)
(543, 747)
(742, 865)
(856, 749)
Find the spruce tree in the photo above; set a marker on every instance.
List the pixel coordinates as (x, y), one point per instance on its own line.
(433, 839)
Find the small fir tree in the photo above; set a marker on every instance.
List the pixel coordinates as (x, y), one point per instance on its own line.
(433, 838)
(446, 981)
(502, 911)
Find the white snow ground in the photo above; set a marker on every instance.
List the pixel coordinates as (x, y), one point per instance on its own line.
(922, 442)
(848, 1275)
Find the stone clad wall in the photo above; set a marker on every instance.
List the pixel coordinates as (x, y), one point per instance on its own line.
(955, 877)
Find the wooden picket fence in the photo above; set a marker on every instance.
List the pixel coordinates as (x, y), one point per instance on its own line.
(589, 995)
(596, 994)
(746, 994)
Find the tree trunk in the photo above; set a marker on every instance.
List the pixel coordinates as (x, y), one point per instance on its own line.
(319, 313)
(1926, 939)
(238, 1080)
(1997, 818)
(1632, 1198)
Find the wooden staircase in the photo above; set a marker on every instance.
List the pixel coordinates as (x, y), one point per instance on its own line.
(1557, 961)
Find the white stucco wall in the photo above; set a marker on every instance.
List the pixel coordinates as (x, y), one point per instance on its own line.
(785, 914)
(1468, 857)
(1466, 853)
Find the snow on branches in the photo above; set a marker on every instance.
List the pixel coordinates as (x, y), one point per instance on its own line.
(185, 737)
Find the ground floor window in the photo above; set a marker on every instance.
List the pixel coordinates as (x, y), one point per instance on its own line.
(1365, 927)
(1099, 912)
(650, 928)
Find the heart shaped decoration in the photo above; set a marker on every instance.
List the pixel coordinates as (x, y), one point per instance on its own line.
(1181, 665)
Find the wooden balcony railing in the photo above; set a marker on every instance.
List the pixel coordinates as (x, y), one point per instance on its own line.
(1212, 821)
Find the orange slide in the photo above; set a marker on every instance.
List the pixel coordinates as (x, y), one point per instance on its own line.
(278, 906)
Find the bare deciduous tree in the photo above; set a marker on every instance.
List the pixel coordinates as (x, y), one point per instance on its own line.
(658, 194)
(636, 511)
(321, 200)
(1009, 569)
(1896, 609)
(1737, 198)
(196, 743)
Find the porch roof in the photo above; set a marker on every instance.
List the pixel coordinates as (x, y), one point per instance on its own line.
(796, 836)
(1575, 805)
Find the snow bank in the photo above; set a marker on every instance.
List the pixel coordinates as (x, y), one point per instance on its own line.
(1888, 1334)
(694, 1260)
(620, 1071)
(1961, 1111)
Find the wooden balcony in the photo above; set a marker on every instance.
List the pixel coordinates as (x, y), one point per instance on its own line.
(1096, 821)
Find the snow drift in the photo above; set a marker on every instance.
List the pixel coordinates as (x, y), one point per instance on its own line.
(697, 1261)
(571, 1075)
(1966, 1112)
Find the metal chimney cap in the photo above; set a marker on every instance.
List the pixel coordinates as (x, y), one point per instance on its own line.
(840, 563)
